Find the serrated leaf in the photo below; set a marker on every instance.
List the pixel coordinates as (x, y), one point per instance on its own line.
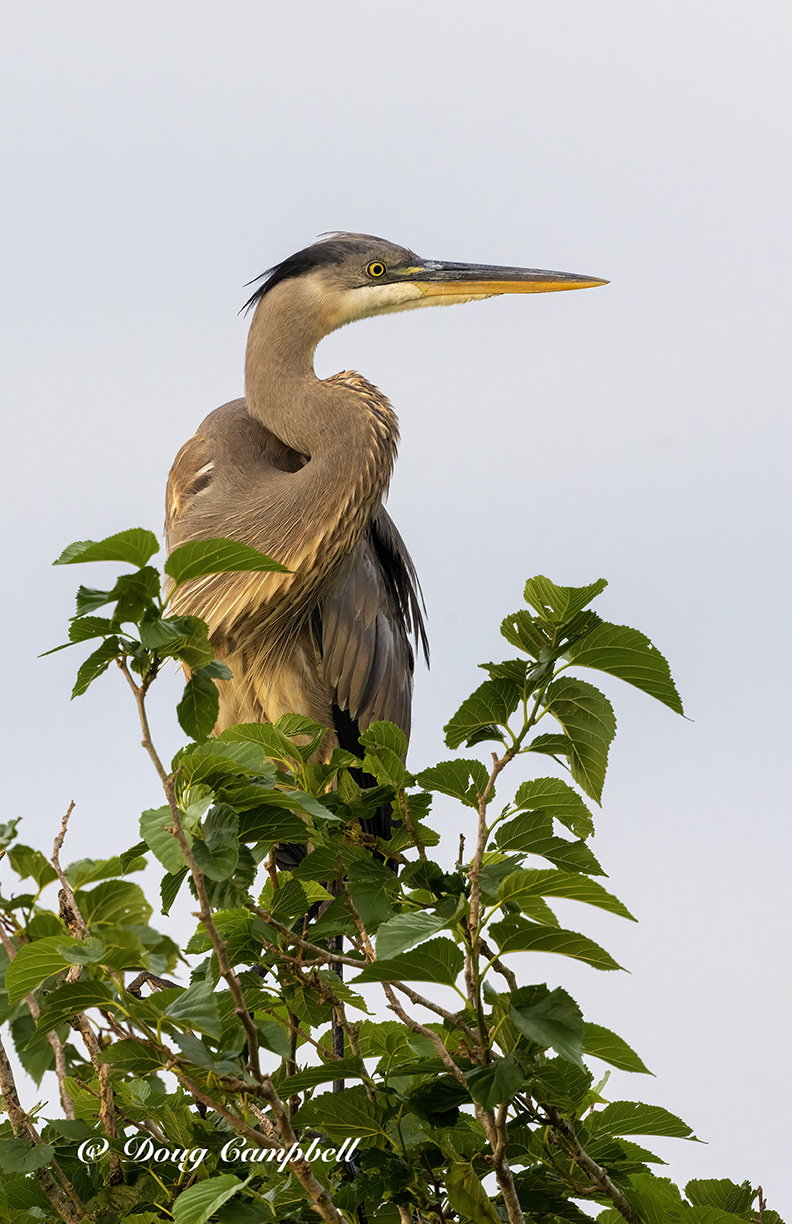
(198, 558)
(179, 637)
(83, 628)
(16, 1156)
(483, 713)
(369, 884)
(312, 1077)
(385, 745)
(440, 960)
(343, 1115)
(550, 1018)
(497, 1082)
(274, 1037)
(199, 707)
(589, 722)
(195, 1007)
(557, 799)
(513, 934)
(526, 633)
(154, 826)
(635, 1118)
(521, 886)
(557, 604)
(297, 726)
(135, 546)
(35, 962)
(95, 665)
(218, 853)
(133, 1057)
(628, 654)
(461, 779)
(531, 832)
(602, 1043)
(199, 1202)
(386, 735)
(72, 997)
(29, 862)
(467, 1196)
(406, 931)
(720, 1193)
(169, 887)
(113, 902)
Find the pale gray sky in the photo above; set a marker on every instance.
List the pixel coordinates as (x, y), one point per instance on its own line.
(156, 156)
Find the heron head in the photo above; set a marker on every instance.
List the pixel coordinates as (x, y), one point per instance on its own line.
(354, 276)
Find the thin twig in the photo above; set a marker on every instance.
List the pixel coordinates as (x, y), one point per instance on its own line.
(589, 1166)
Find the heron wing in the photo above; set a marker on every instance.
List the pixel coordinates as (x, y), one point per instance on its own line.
(363, 625)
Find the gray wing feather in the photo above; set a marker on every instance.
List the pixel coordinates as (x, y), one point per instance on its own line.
(366, 619)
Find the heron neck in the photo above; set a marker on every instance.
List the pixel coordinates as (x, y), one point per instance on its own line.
(342, 424)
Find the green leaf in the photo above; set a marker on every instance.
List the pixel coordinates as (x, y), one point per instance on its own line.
(468, 1197)
(16, 1156)
(440, 960)
(526, 633)
(199, 707)
(550, 1018)
(133, 1057)
(385, 745)
(720, 1193)
(218, 854)
(385, 735)
(89, 599)
(602, 1043)
(198, 558)
(343, 1115)
(405, 931)
(312, 1077)
(484, 712)
(521, 886)
(29, 862)
(628, 654)
(532, 833)
(557, 604)
(72, 997)
(195, 1007)
(199, 1202)
(34, 963)
(112, 903)
(369, 885)
(83, 628)
(169, 887)
(497, 1082)
(557, 799)
(95, 665)
(8, 832)
(275, 1037)
(297, 726)
(135, 546)
(461, 779)
(634, 1118)
(179, 637)
(513, 934)
(154, 825)
(588, 720)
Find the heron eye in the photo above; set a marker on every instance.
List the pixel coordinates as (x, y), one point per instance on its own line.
(376, 268)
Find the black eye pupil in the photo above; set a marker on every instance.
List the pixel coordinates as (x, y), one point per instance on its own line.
(376, 269)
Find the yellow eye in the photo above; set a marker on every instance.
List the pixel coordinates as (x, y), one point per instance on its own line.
(376, 268)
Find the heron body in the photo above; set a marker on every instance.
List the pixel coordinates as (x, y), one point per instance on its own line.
(299, 469)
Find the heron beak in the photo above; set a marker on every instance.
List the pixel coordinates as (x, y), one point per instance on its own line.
(482, 280)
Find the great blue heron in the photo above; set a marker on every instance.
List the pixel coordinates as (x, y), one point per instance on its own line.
(299, 469)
